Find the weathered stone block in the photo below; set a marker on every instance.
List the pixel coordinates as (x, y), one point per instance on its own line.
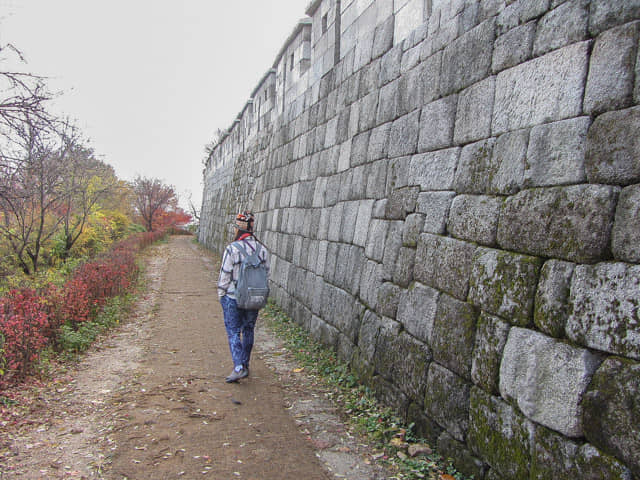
(437, 123)
(464, 462)
(410, 91)
(447, 401)
(475, 218)
(611, 70)
(473, 114)
(390, 66)
(388, 299)
(508, 161)
(604, 308)
(417, 310)
(626, 228)
(430, 77)
(475, 168)
(453, 335)
(467, 59)
(370, 281)
(388, 103)
(503, 283)
(323, 332)
(367, 112)
(546, 378)
(552, 297)
(403, 272)
(383, 38)
(375, 244)
(393, 243)
(562, 26)
(613, 148)
(491, 337)
(413, 227)
(401, 202)
(403, 138)
(376, 175)
(434, 170)
(555, 456)
(556, 153)
(605, 14)
(444, 263)
(378, 141)
(500, 435)
(424, 426)
(542, 90)
(612, 410)
(404, 361)
(363, 218)
(513, 48)
(434, 206)
(572, 223)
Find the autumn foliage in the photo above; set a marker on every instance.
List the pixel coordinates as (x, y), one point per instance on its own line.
(30, 320)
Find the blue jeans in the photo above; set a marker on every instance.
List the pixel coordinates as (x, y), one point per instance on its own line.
(240, 324)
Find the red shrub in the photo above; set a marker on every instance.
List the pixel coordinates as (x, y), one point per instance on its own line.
(23, 323)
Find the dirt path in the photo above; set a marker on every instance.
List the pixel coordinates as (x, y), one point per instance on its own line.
(151, 402)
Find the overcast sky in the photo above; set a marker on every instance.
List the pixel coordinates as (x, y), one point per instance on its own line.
(149, 81)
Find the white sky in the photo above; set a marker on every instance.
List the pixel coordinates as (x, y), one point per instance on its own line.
(149, 81)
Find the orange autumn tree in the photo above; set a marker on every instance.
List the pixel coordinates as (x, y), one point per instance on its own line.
(172, 217)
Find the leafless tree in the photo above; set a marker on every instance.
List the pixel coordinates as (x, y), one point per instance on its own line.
(151, 197)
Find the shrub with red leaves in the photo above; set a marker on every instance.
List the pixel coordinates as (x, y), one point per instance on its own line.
(23, 323)
(29, 320)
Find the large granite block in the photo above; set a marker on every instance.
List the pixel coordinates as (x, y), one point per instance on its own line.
(376, 175)
(465, 462)
(571, 223)
(403, 270)
(368, 107)
(413, 227)
(613, 148)
(476, 168)
(474, 111)
(430, 77)
(401, 202)
(370, 281)
(604, 302)
(626, 228)
(508, 160)
(611, 70)
(467, 59)
(362, 220)
(546, 378)
(555, 456)
(552, 297)
(562, 26)
(491, 337)
(612, 410)
(453, 335)
(434, 170)
(417, 310)
(556, 153)
(447, 401)
(548, 88)
(513, 48)
(503, 283)
(393, 243)
(605, 14)
(390, 66)
(475, 218)
(383, 38)
(388, 103)
(403, 137)
(437, 123)
(357, 152)
(410, 91)
(378, 142)
(434, 206)
(500, 435)
(404, 361)
(444, 263)
(374, 248)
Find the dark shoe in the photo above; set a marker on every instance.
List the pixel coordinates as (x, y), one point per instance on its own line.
(235, 376)
(245, 372)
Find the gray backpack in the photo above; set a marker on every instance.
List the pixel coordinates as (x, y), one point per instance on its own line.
(252, 286)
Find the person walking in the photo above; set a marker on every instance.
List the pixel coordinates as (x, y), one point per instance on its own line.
(239, 323)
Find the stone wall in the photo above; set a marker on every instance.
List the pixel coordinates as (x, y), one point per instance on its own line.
(452, 201)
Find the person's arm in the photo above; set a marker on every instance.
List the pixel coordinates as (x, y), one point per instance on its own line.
(226, 272)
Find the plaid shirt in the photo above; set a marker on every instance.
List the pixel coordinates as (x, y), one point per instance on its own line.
(230, 268)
